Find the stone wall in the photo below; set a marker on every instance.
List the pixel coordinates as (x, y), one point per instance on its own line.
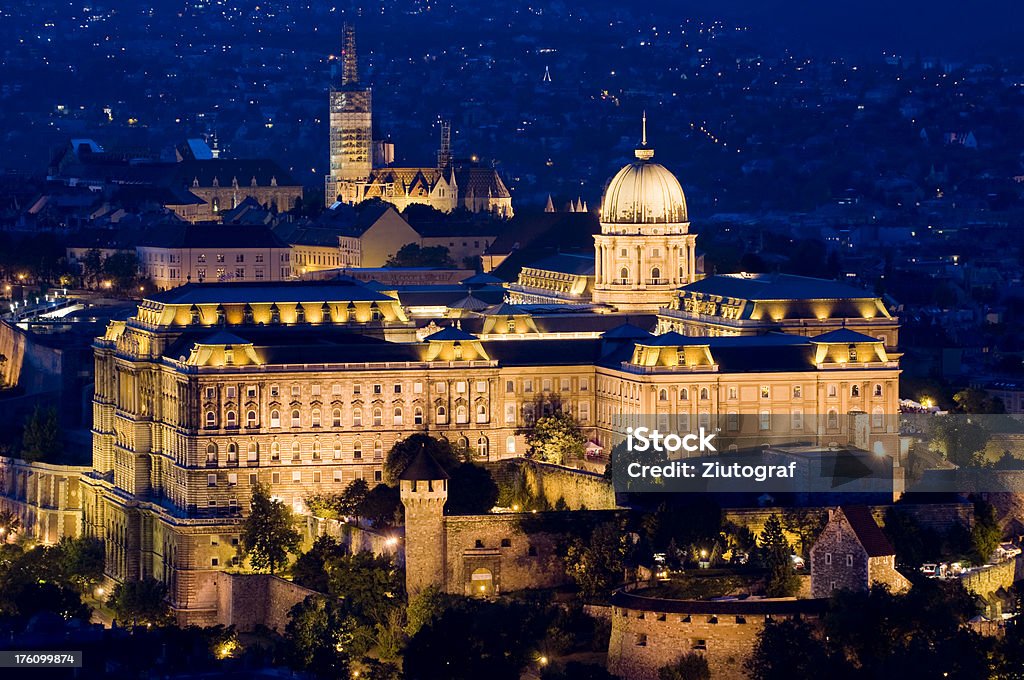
(358, 539)
(497, 553)
(12, 345)
(988, 579)
(248, 600)
(579, 488)
(649, 633)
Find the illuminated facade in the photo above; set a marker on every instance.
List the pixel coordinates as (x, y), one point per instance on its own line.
(351, 124)
(304, 387)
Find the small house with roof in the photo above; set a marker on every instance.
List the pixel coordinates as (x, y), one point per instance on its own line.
(852, 553)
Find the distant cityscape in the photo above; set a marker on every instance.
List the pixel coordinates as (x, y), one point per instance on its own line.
(327, 332)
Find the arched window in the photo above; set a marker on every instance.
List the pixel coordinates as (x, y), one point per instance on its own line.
(254, 452)
(378, 417)
(877, 391)
(398, 416)
(336, 417)
(316, 450)
(337, 449)
(624, 275)
(417, 416)
(232, 452)
(481, 413)
(275, 451)
(296, 418)
(211, 453)
(296, 452)
(357, 449)
(250, 418)
(378, 449)
(461, 414)
(316, 417)
(357, 417)
(656, 273)
(481, 446)
(684, 394)
(442, 415)
(855, 390)
(703, 394)
(275, 418)
(231, 420)
(663, 395)
(211, 419)
(510, 444)
(457, 352)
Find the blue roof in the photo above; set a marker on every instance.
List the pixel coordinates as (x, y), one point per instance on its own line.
(673, 339)
(844, 335)
(450, 333)
(776, 287)
(625, 331)
(566, 263)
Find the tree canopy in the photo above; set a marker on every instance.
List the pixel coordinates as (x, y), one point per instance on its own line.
(268, 533)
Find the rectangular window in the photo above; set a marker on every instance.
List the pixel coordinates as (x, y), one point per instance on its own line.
(481, 386)
(211, 480)
(528, 385)
(316, 476)
(337, 475)
(798, 392)
(828, 558)
(275, 391)
(584, 411)
(296, 390)
(231, 392)
(417, 387)
(766, 391)
(546, 384)
(798, 420)
(510, 414)
(441, 387)
(584, 384)
(460, 386)
(253, 479)
(233, 479)
(315, 389)
(849, 560)
(565, 384)
(765, 420)
(296, 476)
(510, 386)
(250, 391)
(275, 478)
(378, 389)
(398, 389)
(733, 393)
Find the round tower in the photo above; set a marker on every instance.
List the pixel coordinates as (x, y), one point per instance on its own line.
(424, 491)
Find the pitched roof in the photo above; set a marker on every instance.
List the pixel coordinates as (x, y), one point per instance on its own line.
(843, 335)
(625, 331)
(423, 467)
(450, 333)
(470, 302)
(223, 338)
(867, 530)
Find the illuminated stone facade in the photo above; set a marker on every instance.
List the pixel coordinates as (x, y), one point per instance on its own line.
(304, 387)
(751, 304)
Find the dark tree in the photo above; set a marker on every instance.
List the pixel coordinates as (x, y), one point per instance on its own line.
(381, 506)
(404, 450)
(81, 561)
(317, 638)
(350, 502)
(775, 554)
(140, 603)
(41, 440)
(471, 490)
(598, 564)
(690, 666)
(788, 649)
(268, 533)
(311, 567)
(504, 635)
(986, 532)
(414, 255)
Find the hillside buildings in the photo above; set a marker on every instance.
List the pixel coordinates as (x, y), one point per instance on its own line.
(358, 174)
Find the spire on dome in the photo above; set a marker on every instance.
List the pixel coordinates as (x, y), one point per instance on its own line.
(644, 153)
(550, 207)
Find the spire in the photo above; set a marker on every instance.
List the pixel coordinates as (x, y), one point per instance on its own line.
(644, 153)
(547, 75)
(349, 64)
(550, 207)
(444, 153)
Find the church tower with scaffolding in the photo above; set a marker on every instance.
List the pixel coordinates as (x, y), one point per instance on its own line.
(351, 124)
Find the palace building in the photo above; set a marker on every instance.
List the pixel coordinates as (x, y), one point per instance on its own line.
(358, 174)
(304, 386)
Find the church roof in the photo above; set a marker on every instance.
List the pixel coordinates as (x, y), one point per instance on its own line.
(875, 542)
(422, 468)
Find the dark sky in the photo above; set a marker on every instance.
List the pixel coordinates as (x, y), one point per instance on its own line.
(964, 28)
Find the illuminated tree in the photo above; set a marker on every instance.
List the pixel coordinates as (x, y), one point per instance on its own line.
(139, 603)
(268, 533)
(556, 438)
